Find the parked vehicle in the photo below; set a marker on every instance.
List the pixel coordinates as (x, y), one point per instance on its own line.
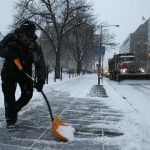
(124, 66)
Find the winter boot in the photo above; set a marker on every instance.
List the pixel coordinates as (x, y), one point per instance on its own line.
(11, 117)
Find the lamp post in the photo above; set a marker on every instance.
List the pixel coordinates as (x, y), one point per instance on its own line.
(101, 52)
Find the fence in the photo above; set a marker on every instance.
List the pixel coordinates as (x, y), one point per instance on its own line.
(70, 72)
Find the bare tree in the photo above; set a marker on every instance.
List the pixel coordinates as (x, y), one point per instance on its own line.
(108, 39)
(79, 43)
(55, 18)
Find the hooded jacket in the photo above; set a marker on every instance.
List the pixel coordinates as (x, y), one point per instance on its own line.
(27, 56)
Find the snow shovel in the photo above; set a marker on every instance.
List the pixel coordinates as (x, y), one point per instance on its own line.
(56, 123)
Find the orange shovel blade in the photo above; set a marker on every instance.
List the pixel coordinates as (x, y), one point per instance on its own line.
(55, 124)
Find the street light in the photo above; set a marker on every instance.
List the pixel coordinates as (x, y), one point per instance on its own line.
(101, 53)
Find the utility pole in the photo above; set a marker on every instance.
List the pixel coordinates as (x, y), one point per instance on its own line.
(101, 57)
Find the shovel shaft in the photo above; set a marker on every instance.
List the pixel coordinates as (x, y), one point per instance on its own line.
(45, 98)
(18, 64)
(48, 105)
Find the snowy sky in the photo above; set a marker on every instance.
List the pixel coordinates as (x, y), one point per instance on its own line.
(127, 13)
(6, 15)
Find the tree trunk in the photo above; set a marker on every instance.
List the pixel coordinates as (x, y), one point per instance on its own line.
(79, 67)
(57, 67)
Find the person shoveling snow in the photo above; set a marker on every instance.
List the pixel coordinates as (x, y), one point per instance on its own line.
(66, 132)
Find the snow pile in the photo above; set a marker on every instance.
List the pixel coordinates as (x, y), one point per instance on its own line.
(67, 132)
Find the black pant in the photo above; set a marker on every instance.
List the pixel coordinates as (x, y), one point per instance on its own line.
(9, 84)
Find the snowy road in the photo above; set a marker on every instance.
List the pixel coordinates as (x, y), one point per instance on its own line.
(118, 122)
(136, 95)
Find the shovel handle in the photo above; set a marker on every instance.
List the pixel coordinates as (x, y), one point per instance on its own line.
(48, 105)
(18, 63)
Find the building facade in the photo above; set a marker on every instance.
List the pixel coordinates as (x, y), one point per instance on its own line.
(125, 47)
(148, 47)
(138, 43)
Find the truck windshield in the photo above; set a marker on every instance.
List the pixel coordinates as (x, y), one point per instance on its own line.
(124, 59)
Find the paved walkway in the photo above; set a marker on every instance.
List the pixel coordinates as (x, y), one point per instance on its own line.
(90, 117)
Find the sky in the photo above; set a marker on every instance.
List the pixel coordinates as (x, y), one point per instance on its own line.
(6, 15)
(126, 13)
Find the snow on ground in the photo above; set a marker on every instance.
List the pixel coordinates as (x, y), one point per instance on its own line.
(132, 100)
(136, 122)
(77, 87)
(138, 96)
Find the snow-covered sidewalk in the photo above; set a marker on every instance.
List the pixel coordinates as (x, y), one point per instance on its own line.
(110, 123)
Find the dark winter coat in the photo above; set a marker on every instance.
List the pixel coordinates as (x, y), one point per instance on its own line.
(27, 57)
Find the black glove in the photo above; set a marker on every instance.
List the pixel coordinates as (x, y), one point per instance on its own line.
(39, 85)
(13, 50)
